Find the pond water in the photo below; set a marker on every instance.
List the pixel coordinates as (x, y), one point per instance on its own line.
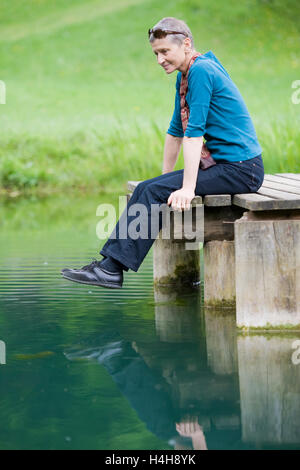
(91, 368)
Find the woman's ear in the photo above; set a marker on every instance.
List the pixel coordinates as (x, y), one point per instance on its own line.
(187, 45)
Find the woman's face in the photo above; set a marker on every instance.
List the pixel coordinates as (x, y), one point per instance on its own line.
(170, 55)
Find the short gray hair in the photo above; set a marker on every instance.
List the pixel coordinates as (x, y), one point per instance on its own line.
(173, 24)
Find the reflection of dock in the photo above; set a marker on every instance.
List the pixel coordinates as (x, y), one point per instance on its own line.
(221, 341)
(2, 352)
(249, 383)
(270, 389)
(202, 377)
(174, 322)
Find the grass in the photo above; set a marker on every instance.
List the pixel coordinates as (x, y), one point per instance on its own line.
(85, 161)
(87, 107)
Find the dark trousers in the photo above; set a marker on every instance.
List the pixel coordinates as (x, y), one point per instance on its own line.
(223, 178)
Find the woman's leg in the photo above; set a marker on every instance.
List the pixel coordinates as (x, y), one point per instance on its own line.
(222, 178)
(123, 252)
(120, 246)
(231, 178)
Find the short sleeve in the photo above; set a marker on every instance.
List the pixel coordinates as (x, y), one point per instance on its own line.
(175, 127)
(200, 89)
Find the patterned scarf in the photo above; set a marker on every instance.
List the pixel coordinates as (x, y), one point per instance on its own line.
(206, 159)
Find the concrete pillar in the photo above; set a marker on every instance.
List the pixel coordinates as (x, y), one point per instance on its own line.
(219, 273)
(267, 254)
(174, 265)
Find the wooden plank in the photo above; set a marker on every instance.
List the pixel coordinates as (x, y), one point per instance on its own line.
(131, 185)
(196, 201)
(219, 222)
(280, 187)
(217, 200)
(270, 196)
(293, 176)
(278, 194)
(256, 202)
(280, 179)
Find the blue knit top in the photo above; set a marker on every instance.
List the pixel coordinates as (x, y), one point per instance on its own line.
(217, 112)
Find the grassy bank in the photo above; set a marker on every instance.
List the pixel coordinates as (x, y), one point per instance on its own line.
(87, 106)
(85, 161)
(89, 161)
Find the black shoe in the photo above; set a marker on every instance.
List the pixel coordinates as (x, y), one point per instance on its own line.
(95, 275)
(99, 353)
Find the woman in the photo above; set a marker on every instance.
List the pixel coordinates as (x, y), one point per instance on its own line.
(207, 104)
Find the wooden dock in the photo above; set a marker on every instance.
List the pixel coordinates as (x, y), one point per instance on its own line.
(251, 249)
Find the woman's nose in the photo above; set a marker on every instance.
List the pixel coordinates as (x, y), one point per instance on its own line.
(160, 59)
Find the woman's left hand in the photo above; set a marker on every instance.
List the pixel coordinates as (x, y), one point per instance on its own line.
(181, 199)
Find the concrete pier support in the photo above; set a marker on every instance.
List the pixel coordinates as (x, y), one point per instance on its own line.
(267, 253)
(219, 273)
(176, 252)
(174, 265)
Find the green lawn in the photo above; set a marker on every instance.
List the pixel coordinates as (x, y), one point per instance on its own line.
(87, 107)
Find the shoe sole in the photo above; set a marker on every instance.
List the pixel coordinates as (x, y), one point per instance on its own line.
(109, 286)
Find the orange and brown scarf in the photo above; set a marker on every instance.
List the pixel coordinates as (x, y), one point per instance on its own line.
(206, 159)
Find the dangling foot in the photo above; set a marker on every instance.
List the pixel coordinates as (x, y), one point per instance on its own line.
(96, 275)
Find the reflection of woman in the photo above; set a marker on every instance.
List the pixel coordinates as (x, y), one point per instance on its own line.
(146, 391)
(211, 107)
(184, 424)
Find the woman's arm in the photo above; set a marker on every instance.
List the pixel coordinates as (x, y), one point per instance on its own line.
(171, 152)
(181, 199)
(192, 147)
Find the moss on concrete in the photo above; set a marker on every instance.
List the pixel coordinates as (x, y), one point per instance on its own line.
(219, 305)
(186, 274)
(278, 330)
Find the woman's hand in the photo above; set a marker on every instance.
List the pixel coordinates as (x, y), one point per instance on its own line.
(189, 427)
(181, 199)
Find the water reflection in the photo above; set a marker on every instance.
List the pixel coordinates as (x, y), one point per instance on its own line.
(153, 396)
(270, 389)
(135, 369)
(201, 384)
(169, 382)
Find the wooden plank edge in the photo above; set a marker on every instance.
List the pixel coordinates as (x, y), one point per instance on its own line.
(291, 176)
(218, 200)
(264, 204)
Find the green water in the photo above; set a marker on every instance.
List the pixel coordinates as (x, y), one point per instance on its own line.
(92, 368)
